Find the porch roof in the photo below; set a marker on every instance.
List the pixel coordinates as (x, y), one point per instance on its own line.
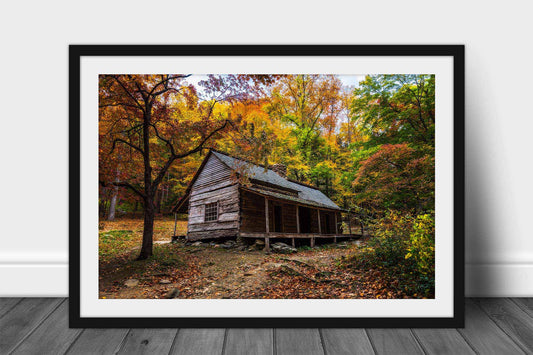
(294, 199)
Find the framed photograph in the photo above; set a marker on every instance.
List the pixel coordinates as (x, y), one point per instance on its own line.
(266, 186)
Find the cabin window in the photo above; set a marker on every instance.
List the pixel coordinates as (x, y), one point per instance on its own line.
(211, 212)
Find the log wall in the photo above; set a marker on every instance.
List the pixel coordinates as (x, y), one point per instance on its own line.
(289, 218)
(314, 221)
(252, 212)
(214, 184)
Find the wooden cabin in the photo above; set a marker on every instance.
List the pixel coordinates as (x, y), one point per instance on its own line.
(230, 197)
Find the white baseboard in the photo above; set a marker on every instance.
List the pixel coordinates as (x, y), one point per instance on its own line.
(34, 280)
(50, 279)
(499, 280)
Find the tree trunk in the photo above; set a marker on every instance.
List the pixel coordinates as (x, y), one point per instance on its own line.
(158, 198)
(113, 204)
(148, 231)
(149, 208)
(114, 198)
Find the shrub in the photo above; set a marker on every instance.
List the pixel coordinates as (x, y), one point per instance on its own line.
(402, 248)
(422, 244)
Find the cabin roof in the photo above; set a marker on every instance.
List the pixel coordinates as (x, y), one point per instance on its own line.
(306, 193)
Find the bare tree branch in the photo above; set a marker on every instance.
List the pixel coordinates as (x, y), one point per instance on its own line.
(128, 92)
(118, 104)
(131, 187)
(168, 143)
(169, 162)
(124, 184)
(119, 140)
(165, 82)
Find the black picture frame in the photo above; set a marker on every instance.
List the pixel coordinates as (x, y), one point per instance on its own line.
(76, 52)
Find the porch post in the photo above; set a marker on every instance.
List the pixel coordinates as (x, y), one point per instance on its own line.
(336, 229)
(297, 220)
(175, 223)
(312, 242)
(267, 228)
(319, 226)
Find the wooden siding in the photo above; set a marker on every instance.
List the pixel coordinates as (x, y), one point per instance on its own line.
(213, 172)
(289, 218)
(212, 234)
(324, 225)
(271, 205)
(214, 184)
(252, 212)
(314, 220)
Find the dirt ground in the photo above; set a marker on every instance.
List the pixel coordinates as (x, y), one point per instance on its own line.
(178, 270)
(221, 273)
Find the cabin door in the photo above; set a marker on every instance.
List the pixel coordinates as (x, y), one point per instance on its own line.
(278, 222)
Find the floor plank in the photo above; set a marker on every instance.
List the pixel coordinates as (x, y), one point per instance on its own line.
(484, 335)
(199, 341)
(394, 341)
(148, 341)
(7, 303)
(22, 319)
(511, 319)
(52, 336)
(526, 304)
(40, 326)
(298, 341)
(98, 341)
(254, 341)
(442, 341)
(346, 341)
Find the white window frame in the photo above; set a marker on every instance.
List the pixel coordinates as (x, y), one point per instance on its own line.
(210, 212)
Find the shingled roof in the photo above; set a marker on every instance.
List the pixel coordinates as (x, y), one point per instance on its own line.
(306, 194)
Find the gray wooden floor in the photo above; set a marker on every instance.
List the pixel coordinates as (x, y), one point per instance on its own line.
(40, 326)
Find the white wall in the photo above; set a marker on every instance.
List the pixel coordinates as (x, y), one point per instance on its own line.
(34, 103)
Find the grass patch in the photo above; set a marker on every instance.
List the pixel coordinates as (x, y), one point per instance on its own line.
(167, 260)
(115, 242)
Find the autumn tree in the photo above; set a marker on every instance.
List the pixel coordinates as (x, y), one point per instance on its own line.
(144, 114)
(392, 157)
(158, 120)
(308, 107)
(397, 177)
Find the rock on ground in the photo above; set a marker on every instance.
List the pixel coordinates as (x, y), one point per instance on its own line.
(283, 248)
(131, 282)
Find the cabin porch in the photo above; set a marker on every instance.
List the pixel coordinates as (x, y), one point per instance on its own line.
(266, 215)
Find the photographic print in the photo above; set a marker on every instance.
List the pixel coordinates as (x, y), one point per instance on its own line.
(267, 186)
(292, 188)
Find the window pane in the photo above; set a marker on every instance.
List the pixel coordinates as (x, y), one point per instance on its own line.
(211, 212)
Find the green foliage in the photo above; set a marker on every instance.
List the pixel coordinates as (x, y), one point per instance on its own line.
(388, 246)
(403, 250)
(396, 108)
(422, 244)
